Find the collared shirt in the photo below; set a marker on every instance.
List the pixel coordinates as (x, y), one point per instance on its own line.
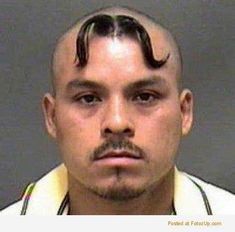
(192, 196)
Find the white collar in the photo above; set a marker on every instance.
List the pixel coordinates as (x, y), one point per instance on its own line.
(50, 191)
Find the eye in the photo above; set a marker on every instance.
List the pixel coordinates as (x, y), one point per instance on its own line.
(88, 99)
(145, 97)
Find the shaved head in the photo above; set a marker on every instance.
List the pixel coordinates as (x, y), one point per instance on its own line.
(161, 45)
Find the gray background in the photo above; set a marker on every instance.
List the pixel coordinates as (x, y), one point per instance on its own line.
(28, 31)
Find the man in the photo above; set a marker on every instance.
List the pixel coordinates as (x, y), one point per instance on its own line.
(118, 112)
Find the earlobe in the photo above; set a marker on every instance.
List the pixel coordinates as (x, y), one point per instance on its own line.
(186, 104)
(48, 106)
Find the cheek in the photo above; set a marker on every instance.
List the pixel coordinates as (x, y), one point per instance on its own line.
(75, 134)
(161, 133)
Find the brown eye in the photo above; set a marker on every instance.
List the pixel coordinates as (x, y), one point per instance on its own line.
(144, 97)
(88, 99)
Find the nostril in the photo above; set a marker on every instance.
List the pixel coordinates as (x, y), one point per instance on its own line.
(107, 131)
(126, 132)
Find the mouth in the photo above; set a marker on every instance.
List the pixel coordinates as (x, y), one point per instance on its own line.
(119, 158)
(119, 155)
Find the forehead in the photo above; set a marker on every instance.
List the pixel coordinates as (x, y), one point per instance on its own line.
(65, 53)
(113, 63)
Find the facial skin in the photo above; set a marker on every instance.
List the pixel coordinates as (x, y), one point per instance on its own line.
(117, 99)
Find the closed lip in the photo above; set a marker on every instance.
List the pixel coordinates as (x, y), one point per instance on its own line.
(121, 154)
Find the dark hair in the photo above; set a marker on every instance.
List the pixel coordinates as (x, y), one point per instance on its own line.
(115, 26)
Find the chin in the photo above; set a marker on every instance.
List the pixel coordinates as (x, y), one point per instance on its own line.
(119, 189)
(118, 192)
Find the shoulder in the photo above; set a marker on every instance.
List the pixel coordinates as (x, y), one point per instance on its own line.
(42, 197)
(222, 202)
(13, 209)
(17, 208)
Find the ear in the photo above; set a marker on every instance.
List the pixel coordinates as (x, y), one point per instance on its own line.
(186, 106)
(48, 107)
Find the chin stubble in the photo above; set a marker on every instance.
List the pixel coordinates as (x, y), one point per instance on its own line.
(118, 191)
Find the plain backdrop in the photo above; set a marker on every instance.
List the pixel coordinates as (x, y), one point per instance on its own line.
(28, 32)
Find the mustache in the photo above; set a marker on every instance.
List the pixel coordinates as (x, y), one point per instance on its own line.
(112, 145)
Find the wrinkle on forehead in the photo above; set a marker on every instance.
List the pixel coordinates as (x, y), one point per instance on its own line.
(162, 41)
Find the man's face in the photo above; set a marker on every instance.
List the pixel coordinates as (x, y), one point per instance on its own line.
(118, 123)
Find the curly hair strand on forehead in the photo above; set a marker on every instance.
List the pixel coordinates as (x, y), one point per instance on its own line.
(115, 26)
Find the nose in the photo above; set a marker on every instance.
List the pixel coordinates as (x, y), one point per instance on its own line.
(117, 120)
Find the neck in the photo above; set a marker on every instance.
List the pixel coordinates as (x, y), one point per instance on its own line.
(157, 200)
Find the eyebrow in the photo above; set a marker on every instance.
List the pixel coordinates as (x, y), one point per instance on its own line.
(84, 84)
(155, 81)
(141, 83)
